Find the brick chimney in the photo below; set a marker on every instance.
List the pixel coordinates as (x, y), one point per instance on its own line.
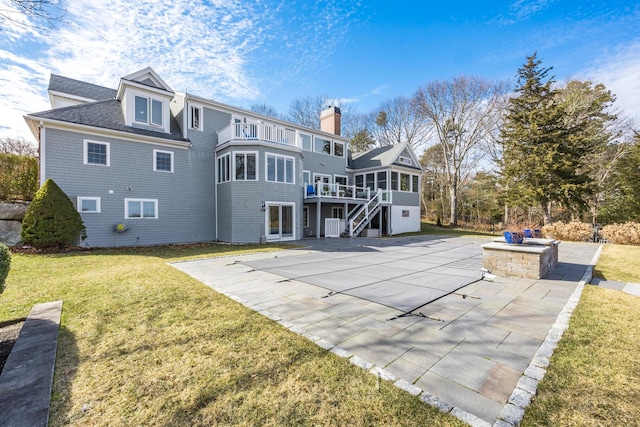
(330, 120)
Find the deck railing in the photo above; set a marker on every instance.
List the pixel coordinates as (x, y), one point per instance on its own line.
(336, 191)
(259, 131)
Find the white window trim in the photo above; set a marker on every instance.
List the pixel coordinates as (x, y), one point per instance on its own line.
(336, 209)
(266, 168)
(322, 175)
(333, 148)
(126, 208)
(405, 160)
(86, 152)
(330, 141)
(150, 100)
(155, 160)
(305, 216)
(218, 159)
(200, 113)
(233, 167)
(305, 181)
(410, 182)
(266, 220)
(346, 178)
(80, 199)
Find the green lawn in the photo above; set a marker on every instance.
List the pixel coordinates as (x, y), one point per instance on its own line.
(594, 376)
(142, 343)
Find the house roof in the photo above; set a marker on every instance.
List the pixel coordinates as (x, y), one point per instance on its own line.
(381, 156)
(81, 89)
(106, 114)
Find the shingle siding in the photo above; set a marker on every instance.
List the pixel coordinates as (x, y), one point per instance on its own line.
(241, 218)
(189, 197)
(185, 200)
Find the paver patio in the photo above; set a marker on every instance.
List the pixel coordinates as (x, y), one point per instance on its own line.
(468, 348)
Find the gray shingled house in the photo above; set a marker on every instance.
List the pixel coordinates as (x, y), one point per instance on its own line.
(146, 165)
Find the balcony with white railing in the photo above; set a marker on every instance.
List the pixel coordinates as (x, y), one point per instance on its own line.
(340, 191)
(336, 191)
(257, 131)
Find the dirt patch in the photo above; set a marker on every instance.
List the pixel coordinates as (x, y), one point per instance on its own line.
(9, 332)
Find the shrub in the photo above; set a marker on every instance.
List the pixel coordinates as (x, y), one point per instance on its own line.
(572, 231)
(51, 219)
(5, 265)
(18, 177)
(622, 234)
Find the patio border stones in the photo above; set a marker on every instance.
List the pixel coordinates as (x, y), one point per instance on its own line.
(527, 386)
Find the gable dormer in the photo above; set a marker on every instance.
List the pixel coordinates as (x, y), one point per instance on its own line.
(145, 99)
(407, 158)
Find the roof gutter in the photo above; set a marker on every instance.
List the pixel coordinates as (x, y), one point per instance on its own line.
(33, 122)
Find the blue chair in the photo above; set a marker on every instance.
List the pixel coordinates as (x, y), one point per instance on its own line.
(311, 190)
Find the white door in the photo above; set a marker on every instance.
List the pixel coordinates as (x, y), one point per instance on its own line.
(280, 221)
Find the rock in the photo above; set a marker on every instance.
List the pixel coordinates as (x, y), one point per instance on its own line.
(14, 211)
(10, 232)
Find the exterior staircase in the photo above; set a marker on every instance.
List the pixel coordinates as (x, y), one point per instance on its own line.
(362, 216)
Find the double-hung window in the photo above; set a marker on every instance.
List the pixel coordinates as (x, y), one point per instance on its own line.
(96, 153)
(148, 111)
(141, 208)
(245, 166)
(280, 168)
(162, 161)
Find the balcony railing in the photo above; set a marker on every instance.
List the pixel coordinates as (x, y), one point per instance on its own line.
(341, 191)
(259, 132)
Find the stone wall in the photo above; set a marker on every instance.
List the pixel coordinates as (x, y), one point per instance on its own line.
(11, 215)
(532, 261)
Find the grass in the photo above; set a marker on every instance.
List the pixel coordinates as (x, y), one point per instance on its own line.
(619, 263)
(142, 343)
(593, 378)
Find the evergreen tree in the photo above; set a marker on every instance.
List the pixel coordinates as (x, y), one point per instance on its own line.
(547, 142)
(51, 219)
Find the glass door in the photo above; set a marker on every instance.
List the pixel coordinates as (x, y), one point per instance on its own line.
(280, 221)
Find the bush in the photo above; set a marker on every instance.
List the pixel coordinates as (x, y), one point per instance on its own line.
(51, 219)
(18, 177)
(622, 234)
(572, 231)
(5, 265)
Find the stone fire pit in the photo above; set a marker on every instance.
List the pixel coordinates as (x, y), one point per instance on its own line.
(533, 259)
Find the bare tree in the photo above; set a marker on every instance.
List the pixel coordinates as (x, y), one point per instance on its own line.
(265, 110)
(397, 120)
(19, 145)
(32, 13)
(305, 111)
(464, 114)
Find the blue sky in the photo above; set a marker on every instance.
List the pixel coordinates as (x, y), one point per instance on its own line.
(263, 51)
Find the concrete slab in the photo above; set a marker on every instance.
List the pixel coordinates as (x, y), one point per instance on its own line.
(632, 289)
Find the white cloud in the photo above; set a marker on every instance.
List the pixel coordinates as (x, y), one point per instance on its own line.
(619, 70)
(227, 50)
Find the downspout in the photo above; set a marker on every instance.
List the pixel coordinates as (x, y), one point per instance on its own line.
(215, 189)
(42, 144)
